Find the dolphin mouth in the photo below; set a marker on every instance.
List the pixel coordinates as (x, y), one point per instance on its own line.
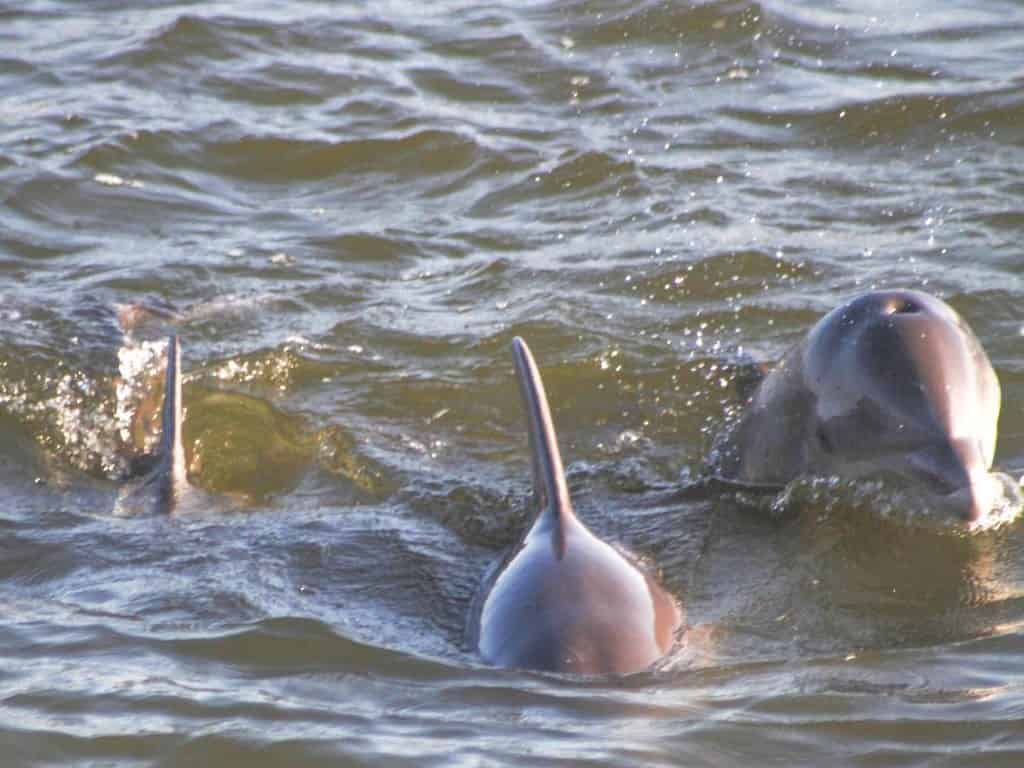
(988, 501)
(981, 500)
(959, 478)
(970, 504)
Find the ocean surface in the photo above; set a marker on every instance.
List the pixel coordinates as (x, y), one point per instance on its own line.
(347, 211)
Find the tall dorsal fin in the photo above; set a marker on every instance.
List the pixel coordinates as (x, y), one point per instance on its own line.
(171, 448)
(548, 473)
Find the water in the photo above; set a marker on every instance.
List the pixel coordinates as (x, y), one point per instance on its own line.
(348, 212)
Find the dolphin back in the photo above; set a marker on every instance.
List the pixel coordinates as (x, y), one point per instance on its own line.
(564, 600)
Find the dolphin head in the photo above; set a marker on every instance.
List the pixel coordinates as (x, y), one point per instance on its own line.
(900, 384)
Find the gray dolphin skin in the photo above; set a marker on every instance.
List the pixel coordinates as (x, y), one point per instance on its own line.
(890, 382)
(565, 600)
(170, 470)
(165, 487)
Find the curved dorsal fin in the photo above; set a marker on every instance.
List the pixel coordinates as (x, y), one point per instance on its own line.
(171, 449)
(548, 473)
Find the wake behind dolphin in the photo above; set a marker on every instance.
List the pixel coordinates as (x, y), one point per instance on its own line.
(892, 382)
(565, 600)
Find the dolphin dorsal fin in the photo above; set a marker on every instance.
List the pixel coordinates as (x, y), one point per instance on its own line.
(171, 448)
(548, 473)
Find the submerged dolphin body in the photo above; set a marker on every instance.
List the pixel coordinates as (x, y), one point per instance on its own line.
(165, 487)
(565, 600)
(890, 382)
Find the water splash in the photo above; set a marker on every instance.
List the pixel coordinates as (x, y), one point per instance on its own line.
(70, 417)
(137, 363)
(896, 500)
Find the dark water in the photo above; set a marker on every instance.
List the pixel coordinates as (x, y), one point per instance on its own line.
(349, 212)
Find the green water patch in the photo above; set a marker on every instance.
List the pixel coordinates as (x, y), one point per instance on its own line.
(243, 446)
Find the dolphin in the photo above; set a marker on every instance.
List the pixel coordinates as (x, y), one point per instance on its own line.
(165, 486)
(891, 382)
(564, 600)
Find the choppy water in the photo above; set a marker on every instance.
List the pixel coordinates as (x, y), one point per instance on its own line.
(351, 211)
